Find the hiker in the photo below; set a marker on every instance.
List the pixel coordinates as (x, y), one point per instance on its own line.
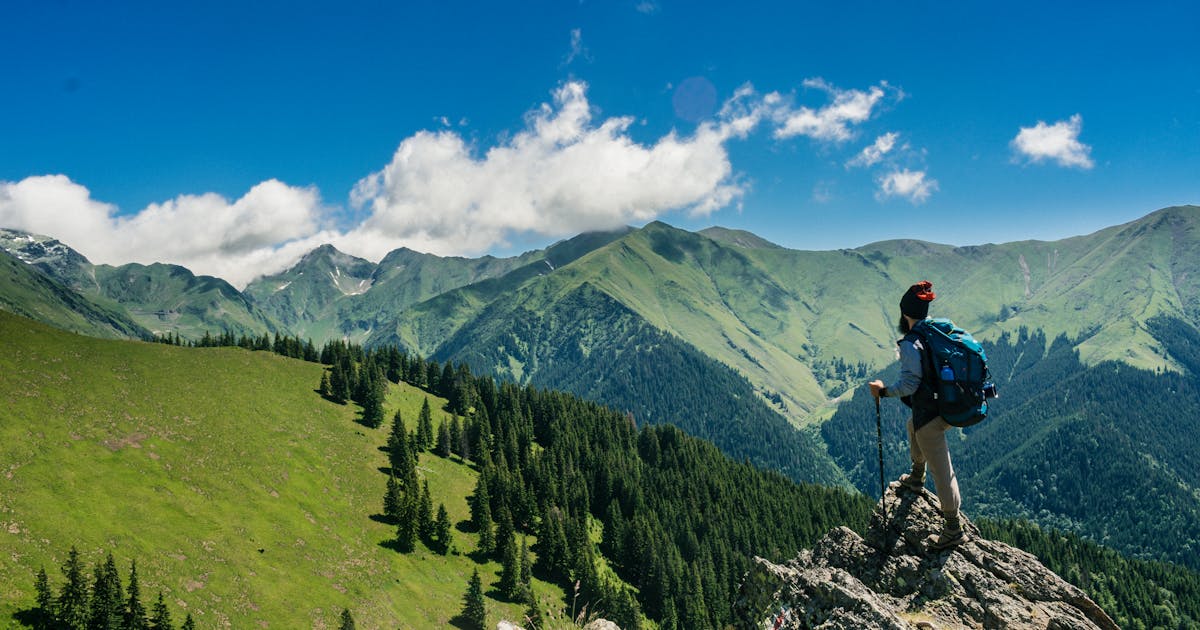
(926, 429)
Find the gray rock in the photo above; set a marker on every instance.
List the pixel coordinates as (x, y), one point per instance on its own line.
(889, 579)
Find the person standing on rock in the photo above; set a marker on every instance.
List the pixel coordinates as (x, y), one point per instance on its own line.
(926, 429)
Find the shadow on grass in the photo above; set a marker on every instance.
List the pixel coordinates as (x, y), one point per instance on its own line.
(387, 470)
(394, 546)
(27, 618)
(461, 622)
(383, 518)
(465, 526)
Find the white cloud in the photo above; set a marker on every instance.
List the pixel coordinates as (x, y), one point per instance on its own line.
(577, 49)
(647, 7)
(873, 153)
(911, 185)
(256, 234)
(562, 174)
(1058, 142)
(565, 170)
(833, 121)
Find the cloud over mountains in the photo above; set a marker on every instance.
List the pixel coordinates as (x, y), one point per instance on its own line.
(565, 171)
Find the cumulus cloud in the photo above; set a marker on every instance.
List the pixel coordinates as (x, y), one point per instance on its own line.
(258, 233)
(833, 121)
(911, 185)
(563, 173)
(1058, 142)
(873, 153)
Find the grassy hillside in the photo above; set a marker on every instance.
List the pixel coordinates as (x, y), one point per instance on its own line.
(171, 299)
(30, 293)
(244, 496)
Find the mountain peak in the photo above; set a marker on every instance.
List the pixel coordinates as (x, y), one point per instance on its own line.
(889, 580)
(741, 238)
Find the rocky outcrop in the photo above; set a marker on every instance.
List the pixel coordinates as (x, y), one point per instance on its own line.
(890, 579)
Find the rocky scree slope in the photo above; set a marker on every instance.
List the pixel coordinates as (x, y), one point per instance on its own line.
(889, 580)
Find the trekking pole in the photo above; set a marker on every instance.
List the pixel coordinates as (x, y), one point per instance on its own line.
(879, 432)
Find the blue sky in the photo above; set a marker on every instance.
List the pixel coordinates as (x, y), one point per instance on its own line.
(230, 137)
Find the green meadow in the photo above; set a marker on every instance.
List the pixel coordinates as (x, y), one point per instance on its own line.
(244, 496)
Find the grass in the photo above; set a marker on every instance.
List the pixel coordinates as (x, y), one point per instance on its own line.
(244, 496)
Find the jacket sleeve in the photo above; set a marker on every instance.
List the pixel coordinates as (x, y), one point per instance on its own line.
(910, 372)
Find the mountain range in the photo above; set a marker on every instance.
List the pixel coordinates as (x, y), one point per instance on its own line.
(757, 347)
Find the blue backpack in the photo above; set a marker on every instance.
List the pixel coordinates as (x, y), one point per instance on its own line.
(960, 380)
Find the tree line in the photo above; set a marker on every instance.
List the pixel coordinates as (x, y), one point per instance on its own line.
(101, 603)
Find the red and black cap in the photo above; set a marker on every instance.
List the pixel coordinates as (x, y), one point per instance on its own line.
(915, 302)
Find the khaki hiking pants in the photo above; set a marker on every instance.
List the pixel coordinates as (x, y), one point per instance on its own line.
(928, 447)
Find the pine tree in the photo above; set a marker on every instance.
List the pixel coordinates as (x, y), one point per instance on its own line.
(393, 499)
(188, 624)
(135, 612)
(347, 620)
(526, 576)
(455, 435)
(505, 533)
(373, 396)
(406, 529)
(44, 619)
(510, 572)
(425, 514)
(443, 439)
(441, 529)
(161, 619)
(425, 427)
(474, 609)
(323, 389)
(73, 598)
(107, 605)
(400, 455)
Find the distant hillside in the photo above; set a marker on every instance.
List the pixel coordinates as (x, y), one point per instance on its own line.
(30, 293)
(162, 299)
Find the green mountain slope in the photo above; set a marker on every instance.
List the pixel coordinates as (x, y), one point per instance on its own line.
(242, 494)
(587, 343)
(161, 298)
(30, 293)
(171, 299)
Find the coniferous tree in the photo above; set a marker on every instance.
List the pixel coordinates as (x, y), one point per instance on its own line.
(393, 499)
(474, 609)
(505, 533)
(107, 605)
(487, 535)
(400, 455)
(72, 602)
(406, 529)
(135, 612)
(455, 435)
(347, 620)
(425, 514)
(425, 427)
(526, 576)
(510, 572)
(44, 619)
(323, 388)
(443, 439)
(441, 530)
(161, 617)
(373, 395)
(188, 623)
